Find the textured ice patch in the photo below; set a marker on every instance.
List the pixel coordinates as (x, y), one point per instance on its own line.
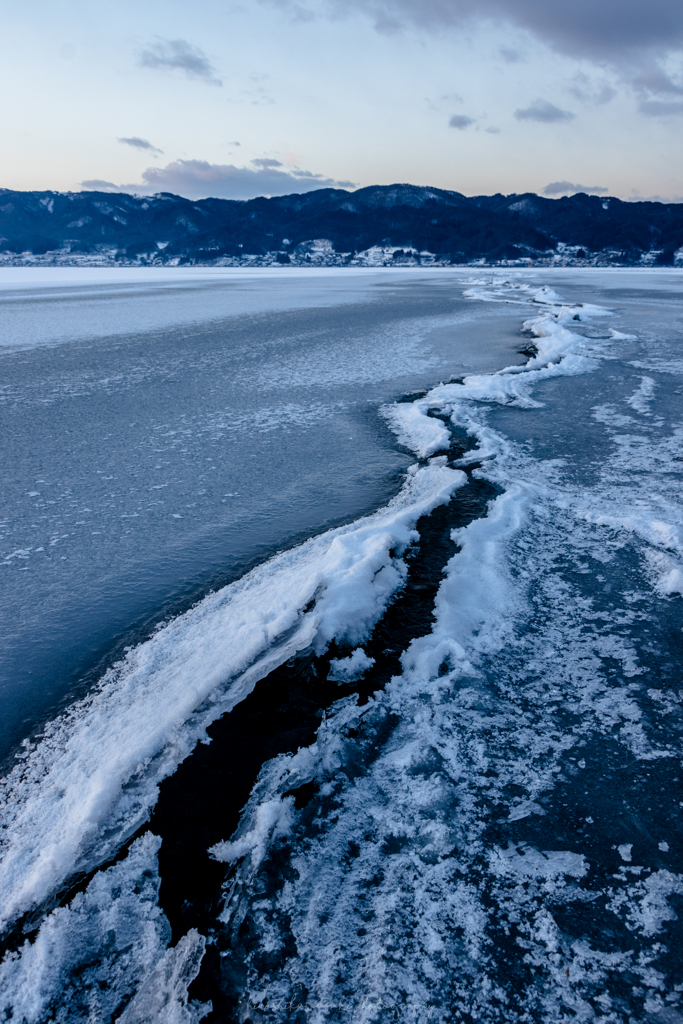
(348, 670)
(646, 907)
(162, 996)
(389, 882)
(415, 429)
(273, 820)
(557, 352)
(666, 572)
(525, 860)
(620, 336)
(642, 397)
(89, 958)
(476, 604)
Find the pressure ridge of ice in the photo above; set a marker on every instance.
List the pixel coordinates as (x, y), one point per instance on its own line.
(406, 895)
(92, 778)
(401, 891)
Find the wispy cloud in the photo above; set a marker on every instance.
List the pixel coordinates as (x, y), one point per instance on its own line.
(636, 198)
(178, 54)
(460, 121)
(622, 36)
(592, 90)
(542, 110)
(510, 56)
(101, 185)
(137, 143)
(654, 79)
(556, 188)
(661, 108)
(199, 179)
(660, 93)
(594, 29)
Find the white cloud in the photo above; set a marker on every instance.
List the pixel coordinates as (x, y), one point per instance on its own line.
(460, 121)
(137, 143)
(556, 188)
(542, 110)
(637, 198)
(199, 179)
(101, 185)
(171, 54)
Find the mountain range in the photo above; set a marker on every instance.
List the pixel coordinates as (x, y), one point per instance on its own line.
(399, 224)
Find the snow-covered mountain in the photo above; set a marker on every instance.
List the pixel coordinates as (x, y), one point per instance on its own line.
(378, 225)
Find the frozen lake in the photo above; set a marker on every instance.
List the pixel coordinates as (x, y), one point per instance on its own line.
(163, 430)
(416, 752)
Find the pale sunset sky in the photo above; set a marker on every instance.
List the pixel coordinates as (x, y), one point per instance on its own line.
(267, 97)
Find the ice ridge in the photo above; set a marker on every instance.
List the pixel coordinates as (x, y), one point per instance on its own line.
(91, 779)
(415, 885)
(419, 882)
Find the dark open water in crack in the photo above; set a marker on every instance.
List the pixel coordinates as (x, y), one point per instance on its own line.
(439, 768)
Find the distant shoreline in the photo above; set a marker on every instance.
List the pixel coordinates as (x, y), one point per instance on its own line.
(369, 259)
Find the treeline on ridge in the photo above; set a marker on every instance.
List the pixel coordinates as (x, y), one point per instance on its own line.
(454, 227)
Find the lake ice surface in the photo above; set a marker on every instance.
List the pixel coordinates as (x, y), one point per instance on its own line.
(495, 835)
(164, 430)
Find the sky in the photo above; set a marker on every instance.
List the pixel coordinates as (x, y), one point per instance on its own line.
(269, 97)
